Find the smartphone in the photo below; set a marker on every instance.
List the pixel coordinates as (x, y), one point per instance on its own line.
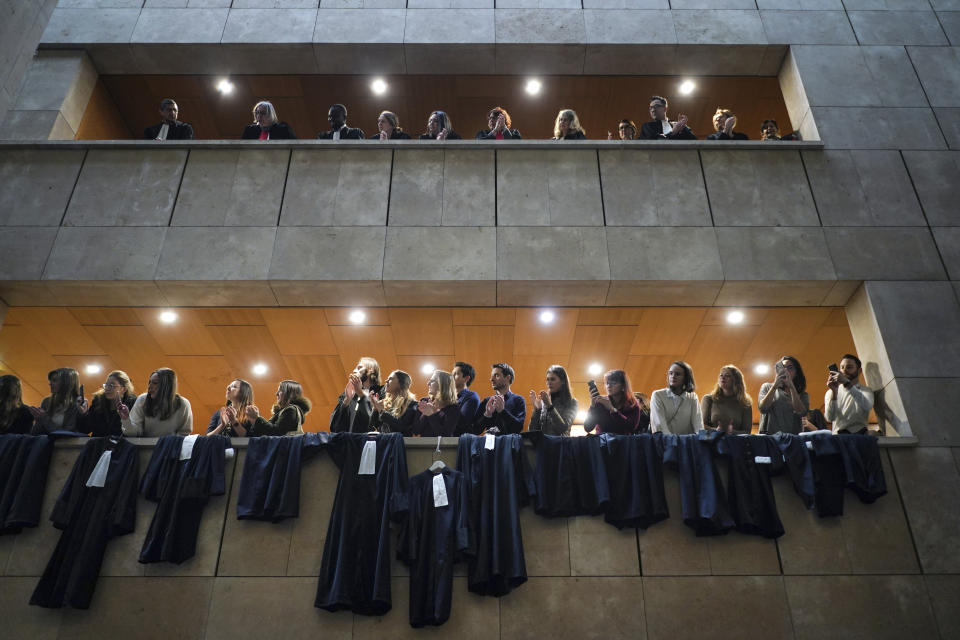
(593, 388)
(779, 368)
(833, 368)
(80, 397)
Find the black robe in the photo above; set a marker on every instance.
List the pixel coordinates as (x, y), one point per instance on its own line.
(570, 476)
(355, 416)
(430, 542)
(181, 489)
(270, 484)
(705, 507)
(752, 460)
(355, 570)
(634, 469)
(797, 458)
(24, 462)
(90, 517)
(499, 482)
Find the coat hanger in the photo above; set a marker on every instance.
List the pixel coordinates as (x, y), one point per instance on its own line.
(438, 464)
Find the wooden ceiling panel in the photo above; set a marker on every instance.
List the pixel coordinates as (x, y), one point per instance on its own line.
(25, 355)
(614, 316)
(649, 373)
(666, 331)
(786, 329)
(484, 316)
(534, 338)
(187, 336)
(837, 318)
(106, 315)
(321, 377)
(90, 381)
(423, 331)
(714, 346)
(133, 349)
(412, 364)
(207, 377)
(355, 342)
(340, 316)
(604, 345)
(245, 346)
(56, 329)
(228, 316)
(300, 332)
(483, 345)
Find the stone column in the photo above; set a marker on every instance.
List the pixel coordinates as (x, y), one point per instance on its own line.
(52, 98)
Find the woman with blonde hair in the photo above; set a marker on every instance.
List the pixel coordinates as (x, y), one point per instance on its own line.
(567, 126)
(439, 412)
(231, 419)
(103, 417)
(288, 413)
(266, 124)
(15, 417)
(728, 407)
(59, 410)
(724, 121)
(388, 127)
(161, 411)
(397, 410)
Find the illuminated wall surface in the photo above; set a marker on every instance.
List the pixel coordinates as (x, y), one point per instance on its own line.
(843, 241)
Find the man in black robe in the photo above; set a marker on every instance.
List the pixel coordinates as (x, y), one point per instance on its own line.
(169, 128)
(354, 409)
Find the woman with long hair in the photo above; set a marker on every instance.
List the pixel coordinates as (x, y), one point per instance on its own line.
(554, 408)
(567, 126)
(728, 407)
(161, 411)
(15, 417)
(266, 124)
(388, 127)
(785, 401)
(288, 416)
(59, 410)
(397, 410)
(231, 419)
(676, 409)
(103, 417)
(440, 127)
(439, 412)
(616, 412)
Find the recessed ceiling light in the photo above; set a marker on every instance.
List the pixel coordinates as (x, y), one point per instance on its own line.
(581, 416)
(762, 369)
(378, 86)
(357, 316)
(546, 317)
(687, 87)
(427, 369)
(259, 369)
(735, 317)
(168, 317)
(595, 369)
(225, 87)
(533, 86)
(93, 368)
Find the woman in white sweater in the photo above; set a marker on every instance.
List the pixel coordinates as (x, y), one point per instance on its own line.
(676, 409)
(161, 411)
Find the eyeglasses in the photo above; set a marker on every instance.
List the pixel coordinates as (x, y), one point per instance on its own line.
(112, 385)
(262, 112)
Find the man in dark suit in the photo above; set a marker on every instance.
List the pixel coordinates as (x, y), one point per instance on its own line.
(661, 128)
(337, 117)
(169, 128)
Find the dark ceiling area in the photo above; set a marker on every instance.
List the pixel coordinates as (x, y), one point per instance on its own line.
(123, 106)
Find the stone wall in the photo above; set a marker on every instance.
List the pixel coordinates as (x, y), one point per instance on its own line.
(874, 571)
(21, 24)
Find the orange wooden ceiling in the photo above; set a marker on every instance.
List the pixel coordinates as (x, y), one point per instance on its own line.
(318, 347)
(124, 105)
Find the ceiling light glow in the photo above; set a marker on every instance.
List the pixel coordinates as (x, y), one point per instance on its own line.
(379, 86)
(546, 317)
(762, 369)
(93, 368)
(259, 369)
(533, 86)
(595, 369)
(357, 316)
(225, 87)
(427, 369)
(168, 317)
(687, 87)
(735, 317)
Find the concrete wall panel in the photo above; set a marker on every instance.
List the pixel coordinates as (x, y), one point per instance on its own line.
(35, 185)
(544, 188)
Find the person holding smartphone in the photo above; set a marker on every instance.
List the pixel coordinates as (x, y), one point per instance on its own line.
(354, 410)
(676, 408)
(59, 410)
(103, 417)
(618, 411)
(785, 401)
(847, 403)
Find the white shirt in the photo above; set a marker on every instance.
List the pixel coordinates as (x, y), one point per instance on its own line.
(336, 134)
(672, 413)
(666, 126)
(848, 408)
(164, 129)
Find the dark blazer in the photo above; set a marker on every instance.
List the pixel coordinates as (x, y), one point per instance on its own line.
(396, 135)
(346, 133)
(653, 130)
(719, 135)
(179, 131)
(509, 134)
(452, 135)
(573, 135)
(278, 131)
